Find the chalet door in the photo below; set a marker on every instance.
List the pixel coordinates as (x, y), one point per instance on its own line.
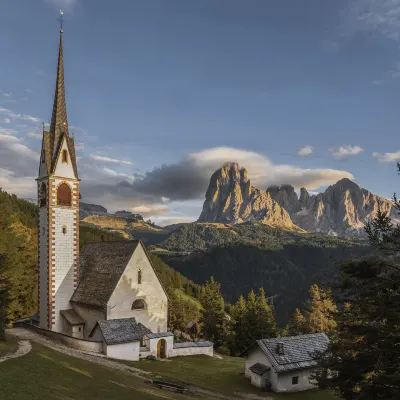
(161, 346)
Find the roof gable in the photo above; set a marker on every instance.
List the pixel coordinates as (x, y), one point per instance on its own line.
(101, 267)
(297, 350)
(124, 330)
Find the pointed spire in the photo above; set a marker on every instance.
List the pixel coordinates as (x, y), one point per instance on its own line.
(59, 122)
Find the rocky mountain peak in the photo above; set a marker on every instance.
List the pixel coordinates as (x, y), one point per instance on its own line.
(230, 198)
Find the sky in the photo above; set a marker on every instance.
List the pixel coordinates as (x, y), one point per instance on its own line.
(161, 93)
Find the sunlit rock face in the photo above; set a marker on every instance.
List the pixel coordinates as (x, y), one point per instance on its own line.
(231, 199)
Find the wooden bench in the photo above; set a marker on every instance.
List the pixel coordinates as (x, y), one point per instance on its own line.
(170, 386)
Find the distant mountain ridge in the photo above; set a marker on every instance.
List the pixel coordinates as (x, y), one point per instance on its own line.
(342, 209)
(231, 199)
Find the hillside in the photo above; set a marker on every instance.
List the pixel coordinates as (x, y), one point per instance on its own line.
(18, 245)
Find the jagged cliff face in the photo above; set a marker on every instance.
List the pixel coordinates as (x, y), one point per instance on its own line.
(231, 199)
(343, 209)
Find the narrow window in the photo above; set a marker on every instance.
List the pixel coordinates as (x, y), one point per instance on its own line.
(64, 229)
(295, 380)
(43, 195)
(138, 305)
(43, 230)
(43, 156)
(139, 276)
(64, 195)
(64, 156)
(80, 329)
(158, 329)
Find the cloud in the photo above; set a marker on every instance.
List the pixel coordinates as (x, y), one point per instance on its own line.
(345, 151)
(387, 157)
(5, 94)
(305, 151)
(7, 120)
(382, 16)
(15, 116)
(34, 135)
(109, 160)
(189, 178)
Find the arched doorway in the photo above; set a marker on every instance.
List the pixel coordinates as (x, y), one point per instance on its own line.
(161, 348)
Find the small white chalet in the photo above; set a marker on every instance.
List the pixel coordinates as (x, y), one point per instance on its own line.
(284, 364)
(106, 297)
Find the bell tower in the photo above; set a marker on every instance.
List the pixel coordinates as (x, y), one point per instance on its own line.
(58, 201)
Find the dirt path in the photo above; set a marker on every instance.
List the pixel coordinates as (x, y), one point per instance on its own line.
(26, 335)
(24, 347)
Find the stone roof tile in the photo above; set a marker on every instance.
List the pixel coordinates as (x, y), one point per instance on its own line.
(124, 330)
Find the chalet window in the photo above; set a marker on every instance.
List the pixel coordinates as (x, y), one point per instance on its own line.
(64, 156)
(43, 196)
(64, 195)
(295, 380)
(64, 229)
(138, 305)
(139, 276)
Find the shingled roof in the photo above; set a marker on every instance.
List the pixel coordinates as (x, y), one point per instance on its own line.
(101, 267)
(117, 331)
(72, 317)
(297, 350)
(259, 369)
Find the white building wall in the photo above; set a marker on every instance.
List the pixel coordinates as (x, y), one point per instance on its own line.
(285, 381)
(191, 351)
(64, 250)
(90, 315)
(150, 290)
(256, 355)
(169, 344)
(43, 258)
(125, 351)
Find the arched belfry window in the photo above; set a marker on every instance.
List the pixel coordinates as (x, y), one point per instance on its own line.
(139, 276)
(139, 305)
(64, 195)
(64, 156)
(43, 195)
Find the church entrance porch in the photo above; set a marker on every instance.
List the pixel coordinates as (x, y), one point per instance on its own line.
(161, 347)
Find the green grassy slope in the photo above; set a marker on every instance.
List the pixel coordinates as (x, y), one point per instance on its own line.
(225, 375)
(46, 374)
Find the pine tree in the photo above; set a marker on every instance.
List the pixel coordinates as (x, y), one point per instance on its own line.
(363, 359)
(322, 310)
(4, 295)
(297, 325)
(213, 317)
(266, 324)
(239, 327)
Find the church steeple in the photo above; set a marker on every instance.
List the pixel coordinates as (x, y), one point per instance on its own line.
(59, 122)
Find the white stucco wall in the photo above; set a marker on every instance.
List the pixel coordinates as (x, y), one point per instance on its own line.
(257, 380)
(285, 381)
(191, 351)
(256, 355)
(77, 331)
(169, 344)
(150, 290)
(90, 315)
(125, 351)
(64, 170)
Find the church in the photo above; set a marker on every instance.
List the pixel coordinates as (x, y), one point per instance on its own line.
(108, 295)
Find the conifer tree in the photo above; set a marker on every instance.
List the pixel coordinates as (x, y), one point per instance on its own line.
(213, 317)
(363, 359)
(266, 324)
(239, 327)
(4, 296)
(297, 325)
(322, 310)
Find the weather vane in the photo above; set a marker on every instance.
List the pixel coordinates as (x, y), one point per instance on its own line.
(61, 20)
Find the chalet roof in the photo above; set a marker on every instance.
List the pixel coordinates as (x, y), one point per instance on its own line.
(297, 350)
(159, 335)
(72, 317)
(117, 331)
(101, 267)
(259, 369)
